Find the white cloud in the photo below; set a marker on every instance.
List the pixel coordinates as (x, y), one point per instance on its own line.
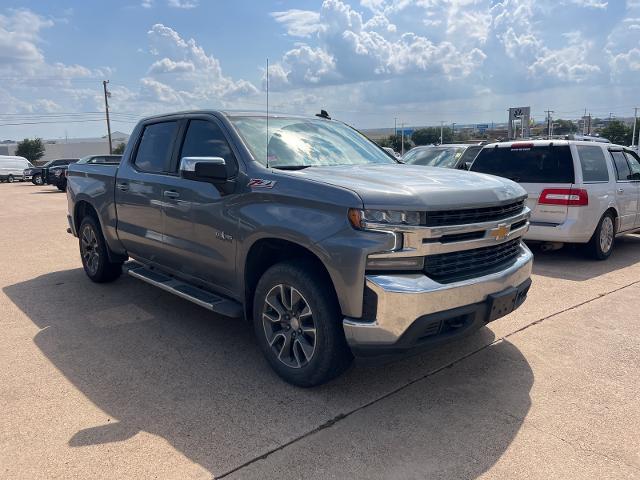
(146, 3)
(299, 23)
(186, 4)
(190, 75)
(590, 3)
(351, 49)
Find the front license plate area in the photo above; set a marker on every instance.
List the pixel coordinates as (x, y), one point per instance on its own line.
(505, 302)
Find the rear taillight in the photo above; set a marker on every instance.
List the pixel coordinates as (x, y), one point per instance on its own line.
(576, 197)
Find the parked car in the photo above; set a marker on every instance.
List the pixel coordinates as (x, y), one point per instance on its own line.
(56, 174)
(35, 173)
(391, 151)
(579, 191)
(328, 246)
(454, 155)
(12, 168)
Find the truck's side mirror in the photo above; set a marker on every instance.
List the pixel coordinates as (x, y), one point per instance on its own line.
(204, 169)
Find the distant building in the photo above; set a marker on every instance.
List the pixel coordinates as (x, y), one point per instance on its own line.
(71, 147)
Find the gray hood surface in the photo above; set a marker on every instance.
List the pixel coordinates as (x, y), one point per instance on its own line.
(413, 187)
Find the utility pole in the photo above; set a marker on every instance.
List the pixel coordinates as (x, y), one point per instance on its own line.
(395, 126)
(106, 109)
(589, 125)
(442, 128)
(549, 126)
(635, 120)
(453, 131)
(584, 122)
(402, 142)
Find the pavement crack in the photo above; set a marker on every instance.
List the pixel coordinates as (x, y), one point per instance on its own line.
(338, 418)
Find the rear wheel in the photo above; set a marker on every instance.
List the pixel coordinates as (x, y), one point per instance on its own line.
(601, 244)
(93, 253)
(297, 322)
(10, 179)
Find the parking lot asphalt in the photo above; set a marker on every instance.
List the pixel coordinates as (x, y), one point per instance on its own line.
(126, 381)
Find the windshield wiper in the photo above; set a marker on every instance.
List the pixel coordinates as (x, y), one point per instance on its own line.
(290, 167)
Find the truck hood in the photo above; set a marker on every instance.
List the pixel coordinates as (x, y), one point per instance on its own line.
(412, 187)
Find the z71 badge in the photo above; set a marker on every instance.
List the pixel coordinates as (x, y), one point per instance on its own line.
(261, 183)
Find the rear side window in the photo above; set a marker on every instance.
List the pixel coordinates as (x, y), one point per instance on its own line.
(634, 165)
(205, 139)
(543, 164)
(594, 164)
(156, 145)
(622, 167)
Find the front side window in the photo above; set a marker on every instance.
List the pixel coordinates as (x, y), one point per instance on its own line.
(436, 156)
(156, 145)
(205, 139)
(593, 162)
(300, 142)
(622, 167)
(527, 164)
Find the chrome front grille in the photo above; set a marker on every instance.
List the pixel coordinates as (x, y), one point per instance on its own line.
(461, 265)
(473, 215)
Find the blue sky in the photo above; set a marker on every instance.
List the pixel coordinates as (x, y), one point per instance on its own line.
(366, 62)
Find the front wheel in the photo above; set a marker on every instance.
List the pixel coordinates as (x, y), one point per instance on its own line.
(298, 326)
(93, 253)
(601, 244)
(37, 180)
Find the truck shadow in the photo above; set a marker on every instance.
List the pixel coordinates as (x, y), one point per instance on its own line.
(570, 263)
(158, 364)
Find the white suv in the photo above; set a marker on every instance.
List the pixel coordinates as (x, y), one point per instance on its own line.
(579, 191)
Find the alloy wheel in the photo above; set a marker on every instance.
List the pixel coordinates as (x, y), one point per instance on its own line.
(89, 249)
(289, 326)
(606, 234)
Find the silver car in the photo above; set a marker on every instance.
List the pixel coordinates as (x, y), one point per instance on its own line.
(451, 155)
(579, 191)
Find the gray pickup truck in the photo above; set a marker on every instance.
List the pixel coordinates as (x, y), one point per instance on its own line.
(326, 244)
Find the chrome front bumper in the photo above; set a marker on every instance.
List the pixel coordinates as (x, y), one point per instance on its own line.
(402, 299)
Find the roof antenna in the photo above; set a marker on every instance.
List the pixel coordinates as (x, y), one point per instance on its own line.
(323, 114)
(267, 149)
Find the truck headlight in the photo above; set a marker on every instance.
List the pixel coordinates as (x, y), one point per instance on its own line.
(363, 219)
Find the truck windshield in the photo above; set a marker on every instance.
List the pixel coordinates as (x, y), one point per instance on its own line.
(298, 143)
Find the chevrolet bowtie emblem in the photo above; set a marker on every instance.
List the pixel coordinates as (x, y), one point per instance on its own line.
(500, 232)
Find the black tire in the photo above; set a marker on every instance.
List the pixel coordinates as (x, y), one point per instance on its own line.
(36, 179)
(62, 188)
(10, 179)
(93, 253)
(331, 355)
(604, 236)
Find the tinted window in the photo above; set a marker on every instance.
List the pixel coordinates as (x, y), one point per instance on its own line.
(634, 164)
(527, 165)
(594, 165)
(154, 151)
(622, 167)
(205, 139)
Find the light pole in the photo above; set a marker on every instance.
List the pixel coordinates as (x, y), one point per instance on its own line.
(441, 129)
(402, 141)
(453, 131)
(107, 94)
(635, 120)
(395, 126)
